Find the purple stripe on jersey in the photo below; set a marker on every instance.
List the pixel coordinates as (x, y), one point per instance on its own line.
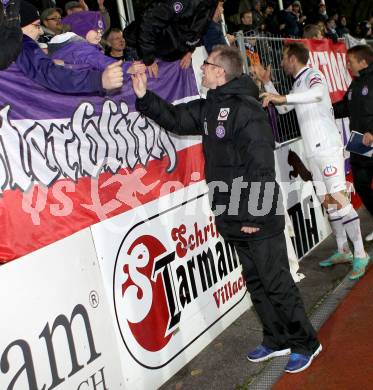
(334, 219)
(313, 82)
(300, 74)
(315, 77)
(350, 220)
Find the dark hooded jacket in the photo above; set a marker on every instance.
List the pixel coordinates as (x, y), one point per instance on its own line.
(238, 148)
(10, 34)
(169, 29)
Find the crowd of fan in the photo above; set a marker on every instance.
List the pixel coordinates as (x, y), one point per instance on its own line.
(265, 17)
(78, 38)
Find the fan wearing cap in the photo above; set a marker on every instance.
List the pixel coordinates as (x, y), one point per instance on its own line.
(87, 24)
(41, 69)
(30, 21)
(10, 33)
(80, 48)
(72, 7)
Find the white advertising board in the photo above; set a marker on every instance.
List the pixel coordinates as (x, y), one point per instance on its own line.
(174, 284)
(56, 327)
(309, 222)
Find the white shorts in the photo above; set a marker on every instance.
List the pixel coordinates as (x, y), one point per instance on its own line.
(328, 172)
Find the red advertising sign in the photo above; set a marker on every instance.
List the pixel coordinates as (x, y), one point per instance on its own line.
(331, 59)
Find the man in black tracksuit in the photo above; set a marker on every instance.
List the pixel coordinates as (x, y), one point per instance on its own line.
(240, 171)
(357, 104)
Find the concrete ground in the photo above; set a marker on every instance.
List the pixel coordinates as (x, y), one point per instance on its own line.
(222, 365)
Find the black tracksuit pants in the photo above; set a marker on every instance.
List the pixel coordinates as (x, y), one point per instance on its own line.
(275, 296)
(363, 175)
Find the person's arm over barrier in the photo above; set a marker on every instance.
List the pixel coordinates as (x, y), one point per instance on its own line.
(283, 108)
(183, 119)
(83, 55)
(41, 69)
(105, 14)
(313, 94)
(264, 76)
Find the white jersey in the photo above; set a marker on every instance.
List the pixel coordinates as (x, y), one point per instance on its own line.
(311, 101)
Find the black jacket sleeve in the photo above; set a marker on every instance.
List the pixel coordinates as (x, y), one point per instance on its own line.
(182, 22)
(154, 20)
(10, 34)
(10, 43)
(341, 108)
(182, 119)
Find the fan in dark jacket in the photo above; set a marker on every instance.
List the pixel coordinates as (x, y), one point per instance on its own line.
(357, 104)
(10, 32)
(288, 21)
(170, 30)
(240, 171)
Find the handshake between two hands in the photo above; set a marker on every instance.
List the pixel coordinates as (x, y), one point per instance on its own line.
(112, 77)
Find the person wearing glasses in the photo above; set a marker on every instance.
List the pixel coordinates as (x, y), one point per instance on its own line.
(238, 147)
(40, 68)
(30, 21)
(51, 24)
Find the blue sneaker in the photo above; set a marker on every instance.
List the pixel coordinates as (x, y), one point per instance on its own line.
(298, 362)
(262, 353)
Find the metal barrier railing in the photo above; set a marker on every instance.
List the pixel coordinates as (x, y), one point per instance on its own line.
(268, 51)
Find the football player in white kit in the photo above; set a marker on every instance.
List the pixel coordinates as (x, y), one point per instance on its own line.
(324, 149)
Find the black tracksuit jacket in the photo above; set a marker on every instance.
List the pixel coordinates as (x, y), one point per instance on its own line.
(169, 29)
(239, 145)
(357, 104)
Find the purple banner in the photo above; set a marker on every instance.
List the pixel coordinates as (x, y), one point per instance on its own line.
(29, 100)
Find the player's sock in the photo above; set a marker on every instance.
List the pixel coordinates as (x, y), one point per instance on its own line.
(336, 223)
(351, 223)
